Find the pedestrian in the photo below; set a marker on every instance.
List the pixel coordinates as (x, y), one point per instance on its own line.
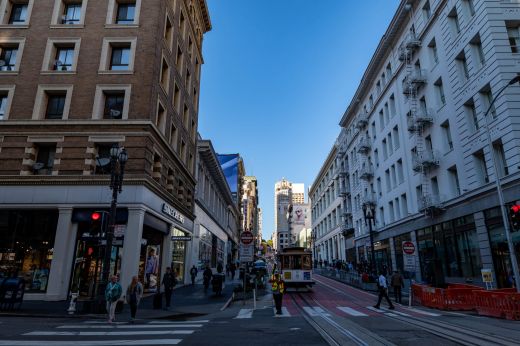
(278, 289)
(397, 283)
(207, 274)
(227, 269)
(219, 268)
(233, 269)
(193, 274)
(321, 263)
(169, 281)
(134, 292)
(383, 291)
(113, 292)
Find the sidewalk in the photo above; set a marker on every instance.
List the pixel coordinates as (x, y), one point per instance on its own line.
(187, 301)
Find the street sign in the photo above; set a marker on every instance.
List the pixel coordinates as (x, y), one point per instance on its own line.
(247, 253)
(408, 248)
(181, 238)
(408, 256)
(246, 238)
(487, 278)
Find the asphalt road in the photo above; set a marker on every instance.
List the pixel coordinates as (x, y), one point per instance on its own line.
(331, 314)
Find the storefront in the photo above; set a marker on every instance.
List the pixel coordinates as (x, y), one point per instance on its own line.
(27, 246)
(398, 246)
(383, 255)
(211, 249)
(179, 252)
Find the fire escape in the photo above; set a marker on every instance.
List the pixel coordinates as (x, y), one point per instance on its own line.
(344, 185)
(419, 119)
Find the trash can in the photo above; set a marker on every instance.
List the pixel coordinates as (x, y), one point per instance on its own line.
(12, 292)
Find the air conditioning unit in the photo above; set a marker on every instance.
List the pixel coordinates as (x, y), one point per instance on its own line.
(115, 113)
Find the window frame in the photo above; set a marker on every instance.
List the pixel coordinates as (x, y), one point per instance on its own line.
(13, 41)
(106, 54)
(59, 10)
(40, 104)
(53, 44)
(113, 6)
(9, 89)
(6, 10)
(99, 100)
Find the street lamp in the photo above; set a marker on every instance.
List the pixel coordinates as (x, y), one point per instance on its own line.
(369, 213)
(498, 184)
(118, 159)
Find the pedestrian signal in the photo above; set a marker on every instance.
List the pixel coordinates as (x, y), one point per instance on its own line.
(514, 214)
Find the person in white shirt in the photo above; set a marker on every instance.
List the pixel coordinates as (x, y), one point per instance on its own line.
(383, 292)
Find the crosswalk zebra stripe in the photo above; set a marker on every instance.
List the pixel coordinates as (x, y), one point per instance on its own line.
(147, 342)
(424, 312)
(245, 313)
(351, 311)
(315, 311)
(396, 312)
(128, 326)
(118, 333)
(285, 312)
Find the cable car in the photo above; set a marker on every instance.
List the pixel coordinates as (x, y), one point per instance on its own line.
(296, 267)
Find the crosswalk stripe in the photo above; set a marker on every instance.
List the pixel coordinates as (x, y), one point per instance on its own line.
(245, 313)
(351, 311)
(424, 312)
(128, 326)
(121, 333)
(315, 311)
(177, 322)
(285, 312)
(396, 312)
(147, 342)
(374, 309)
(390, 314)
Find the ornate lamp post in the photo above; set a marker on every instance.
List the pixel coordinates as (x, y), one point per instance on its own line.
(118, 159)
(369, 213)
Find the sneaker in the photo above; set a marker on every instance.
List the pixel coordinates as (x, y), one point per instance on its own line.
(376, 306)
(392, 307)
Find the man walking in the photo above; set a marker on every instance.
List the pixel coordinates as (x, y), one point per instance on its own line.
(233, 268)
(112, 294)
(397, 283)
(169, 281)
(383, 291)
(278, 289)
(193, 274)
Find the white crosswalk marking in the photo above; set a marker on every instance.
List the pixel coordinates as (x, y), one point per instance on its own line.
(315, 311)
(396, 312)
(285, 312)
(424, 312)
(351, 311)
(374, 309)
(126, 332)
(245, 313)
(129, 326)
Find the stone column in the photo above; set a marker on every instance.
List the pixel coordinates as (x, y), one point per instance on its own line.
(166, 260)
(132, 245)
(61, 266)
(483, 241)
(418, 276)
(392, 253)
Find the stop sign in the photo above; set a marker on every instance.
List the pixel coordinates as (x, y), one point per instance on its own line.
(246, 238)
(408, 247)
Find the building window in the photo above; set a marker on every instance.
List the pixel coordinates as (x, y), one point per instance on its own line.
(176, 97)
(471, 114)
(476, 45)
(4, 98)
(168, 33)
(433, 52)
(480, 167)
(9, 55)
(165, 76)
(44, 159)
(178, 59)
(447, 135)
(500, 157)
(514, 37)
(454, 21)
(111, 102)
(114, 104)
(160, 120)
(185, 116)
(427, 11)
(173, 137)
(64, 58)
(18, 14)
(103, 158)
(439, 88)
(125, 13)
(487, 99)
(183, 151)
(55, 105)
(61, 55)
(71, 13)
(470, 7)
(462, 64)
(454, 180)
(117, 55)
(52, 102)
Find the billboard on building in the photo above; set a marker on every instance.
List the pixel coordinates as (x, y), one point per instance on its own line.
(298, 214)
(229, 164)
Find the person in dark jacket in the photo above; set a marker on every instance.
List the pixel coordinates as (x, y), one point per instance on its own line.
(193, 274)
(233, 269)
(397, 283)
(134, 292)
(169, 281)
(207, 277)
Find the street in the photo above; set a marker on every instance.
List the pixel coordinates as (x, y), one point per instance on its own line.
(331, 314)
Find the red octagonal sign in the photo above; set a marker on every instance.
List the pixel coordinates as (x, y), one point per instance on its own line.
(246, 238)
(408, 248)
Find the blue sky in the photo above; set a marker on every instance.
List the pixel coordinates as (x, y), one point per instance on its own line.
(277, 77)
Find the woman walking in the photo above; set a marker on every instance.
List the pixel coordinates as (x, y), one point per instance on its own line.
(112, 295)
(134, 292)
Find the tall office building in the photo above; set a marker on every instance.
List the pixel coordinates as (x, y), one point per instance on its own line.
(76, 78)
(286, 195)
(250, 206)
(298, 193)
(413, 145)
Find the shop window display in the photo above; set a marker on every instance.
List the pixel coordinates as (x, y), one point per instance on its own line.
(178, 255)
(150, 259)
(27, 246)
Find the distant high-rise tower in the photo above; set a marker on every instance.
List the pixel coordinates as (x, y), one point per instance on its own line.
(298, 193)
(285, 195)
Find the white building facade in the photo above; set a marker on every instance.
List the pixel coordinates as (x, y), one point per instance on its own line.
(413, 144)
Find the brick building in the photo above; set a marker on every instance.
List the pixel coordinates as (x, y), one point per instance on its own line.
(77, 77)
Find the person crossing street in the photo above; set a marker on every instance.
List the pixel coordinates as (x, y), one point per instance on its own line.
(383, 292)
(113, 292)
(397, 284)
(278, 289)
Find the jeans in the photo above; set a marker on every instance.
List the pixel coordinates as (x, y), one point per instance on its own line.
(397, 294)
(168, 296)
(111, 310)
(278, 302)
(383, 293)
(133, 310)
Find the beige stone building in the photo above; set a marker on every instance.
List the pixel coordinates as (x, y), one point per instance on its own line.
(77, 77)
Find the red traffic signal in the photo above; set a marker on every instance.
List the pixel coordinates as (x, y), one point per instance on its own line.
(515, 208)
(514, 214)
(95, 216)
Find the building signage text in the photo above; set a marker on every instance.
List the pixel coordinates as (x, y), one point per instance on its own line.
(168, 210)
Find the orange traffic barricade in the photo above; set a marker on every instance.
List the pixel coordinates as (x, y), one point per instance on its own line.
(498, 304)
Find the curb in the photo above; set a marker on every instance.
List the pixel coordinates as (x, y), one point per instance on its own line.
(228, 302)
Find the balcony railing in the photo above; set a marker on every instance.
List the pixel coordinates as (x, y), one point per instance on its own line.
(414, 80)
(366, 172)
(362, 120)
(425, 159)
(369, 199)
(421, 118)
(430, 202)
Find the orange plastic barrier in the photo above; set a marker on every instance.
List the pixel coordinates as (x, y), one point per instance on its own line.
(498, 304)
(460, 298)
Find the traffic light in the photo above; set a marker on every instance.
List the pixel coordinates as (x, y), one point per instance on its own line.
(514, 214)
(95, 216)
(97, 220)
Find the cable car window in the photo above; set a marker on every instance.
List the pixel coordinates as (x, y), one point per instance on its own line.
(297, 262)
(286, 262)
(307, 262)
